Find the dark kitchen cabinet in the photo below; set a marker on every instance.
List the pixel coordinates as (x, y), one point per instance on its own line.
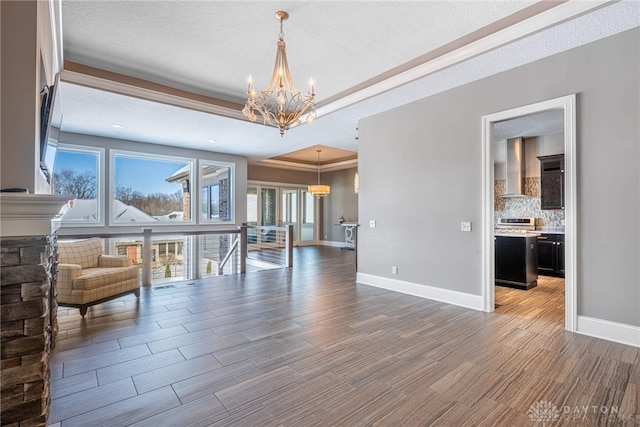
(552, 182)
(551, 255)
(516, 261)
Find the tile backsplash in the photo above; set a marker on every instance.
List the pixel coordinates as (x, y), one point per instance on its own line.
(529, 206)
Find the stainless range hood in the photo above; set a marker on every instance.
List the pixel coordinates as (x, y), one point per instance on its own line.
(514, 168)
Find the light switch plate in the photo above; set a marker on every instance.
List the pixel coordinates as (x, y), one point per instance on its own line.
(372, 223)
(465, 226)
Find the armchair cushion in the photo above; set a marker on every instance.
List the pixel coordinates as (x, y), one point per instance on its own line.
(113, 261)
(94, 278)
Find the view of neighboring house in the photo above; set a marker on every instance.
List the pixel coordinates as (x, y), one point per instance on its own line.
(214, 191)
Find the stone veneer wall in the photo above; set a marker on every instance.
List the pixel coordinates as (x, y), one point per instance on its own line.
(519, 207)
(28, 327)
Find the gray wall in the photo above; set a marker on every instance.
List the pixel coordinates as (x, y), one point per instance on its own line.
(425, 159)
(342, 199)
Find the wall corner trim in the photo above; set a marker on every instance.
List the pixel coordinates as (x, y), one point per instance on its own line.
(610, 331)
(423, 291)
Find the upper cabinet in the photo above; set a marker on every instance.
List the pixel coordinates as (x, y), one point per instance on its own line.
(552, 181)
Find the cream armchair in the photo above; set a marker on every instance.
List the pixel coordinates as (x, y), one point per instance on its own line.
(87, 277)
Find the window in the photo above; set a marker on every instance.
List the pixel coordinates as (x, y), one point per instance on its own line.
(216, 190)
(77, 171)
(150, 189)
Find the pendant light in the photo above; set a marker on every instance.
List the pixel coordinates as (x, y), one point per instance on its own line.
(319, 190)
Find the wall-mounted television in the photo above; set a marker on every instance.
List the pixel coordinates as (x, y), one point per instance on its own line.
(50, 122)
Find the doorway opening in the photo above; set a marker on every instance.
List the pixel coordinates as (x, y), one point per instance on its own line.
(278, 206)
(521, 122)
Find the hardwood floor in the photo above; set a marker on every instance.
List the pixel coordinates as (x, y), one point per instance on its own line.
(307, 346)
(545, 302)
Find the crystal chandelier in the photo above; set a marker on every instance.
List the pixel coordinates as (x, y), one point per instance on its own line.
(280, 104)
(319, 190)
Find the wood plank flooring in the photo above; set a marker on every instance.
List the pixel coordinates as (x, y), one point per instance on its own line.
(308, 347)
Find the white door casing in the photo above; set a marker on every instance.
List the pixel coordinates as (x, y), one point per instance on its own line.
(568, 105)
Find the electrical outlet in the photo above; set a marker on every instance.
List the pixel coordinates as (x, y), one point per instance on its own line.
(372, 223)
(465, 226)
(326, 237)
(394, 269)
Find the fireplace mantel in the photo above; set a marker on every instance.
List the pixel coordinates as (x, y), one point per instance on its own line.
(31, 214)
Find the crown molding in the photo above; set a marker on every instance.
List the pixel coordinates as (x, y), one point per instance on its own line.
(125, 85)
(292, 165)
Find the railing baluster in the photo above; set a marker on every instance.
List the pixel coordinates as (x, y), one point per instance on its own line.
(243, 248)
(289, 246)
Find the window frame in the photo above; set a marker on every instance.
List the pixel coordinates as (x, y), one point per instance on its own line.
(148, 156)
(231, 171)
(100, 179)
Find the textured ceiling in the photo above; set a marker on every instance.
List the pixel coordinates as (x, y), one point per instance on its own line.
(210, 47)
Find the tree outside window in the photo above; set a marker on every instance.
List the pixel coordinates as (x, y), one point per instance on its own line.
(76, 173)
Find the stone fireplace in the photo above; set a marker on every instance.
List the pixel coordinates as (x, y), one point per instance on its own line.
(28, 259)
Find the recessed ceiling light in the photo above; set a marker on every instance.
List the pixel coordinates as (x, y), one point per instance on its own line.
(117, 125)
(213, 141)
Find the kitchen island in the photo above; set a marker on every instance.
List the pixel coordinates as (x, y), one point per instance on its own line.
(516, 260)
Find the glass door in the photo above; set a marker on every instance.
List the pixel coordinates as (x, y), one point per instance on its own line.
(253, 213)
(307, 216)
(268, 206)
(262, 209)
(289, 210)
(252, 206)
(268, 214)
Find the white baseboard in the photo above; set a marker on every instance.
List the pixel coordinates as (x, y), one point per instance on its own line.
(332, 243)
(424, 291)
(607, 330)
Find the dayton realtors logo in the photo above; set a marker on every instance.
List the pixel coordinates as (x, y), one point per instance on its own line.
(544, 412)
